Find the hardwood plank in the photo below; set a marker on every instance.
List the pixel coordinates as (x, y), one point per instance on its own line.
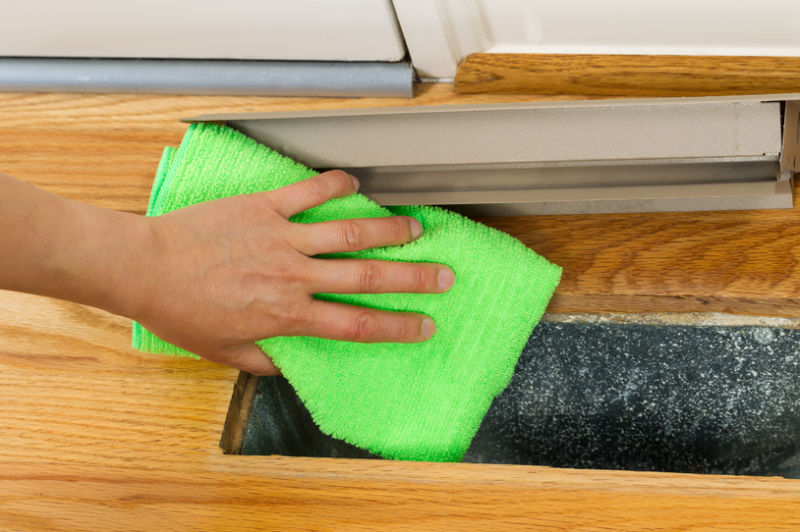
(281, 493)
(626, 75)
(104, 149)
(98, 436)
(738, 262)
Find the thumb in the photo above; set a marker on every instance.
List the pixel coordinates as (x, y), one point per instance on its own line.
(250, 358)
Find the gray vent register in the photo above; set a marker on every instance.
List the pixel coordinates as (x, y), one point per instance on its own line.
(672, 154)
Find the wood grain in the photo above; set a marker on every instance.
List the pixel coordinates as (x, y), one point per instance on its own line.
(104, 149)
(238, 418)
(738, 262)
(97, 436)
(626, 75)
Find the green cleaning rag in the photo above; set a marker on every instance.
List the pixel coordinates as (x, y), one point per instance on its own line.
(422, 401)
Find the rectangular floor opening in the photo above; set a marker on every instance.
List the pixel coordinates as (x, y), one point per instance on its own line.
(674, 398)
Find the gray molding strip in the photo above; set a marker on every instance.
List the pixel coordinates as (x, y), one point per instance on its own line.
(218, 77)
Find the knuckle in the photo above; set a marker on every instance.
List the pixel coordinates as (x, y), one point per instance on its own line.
(296, 320)
(402, 231)
(351, 234)
(408, 328)
(364, 327)
(421, 278)
(370, 277)
(253, 205)
(316, 190)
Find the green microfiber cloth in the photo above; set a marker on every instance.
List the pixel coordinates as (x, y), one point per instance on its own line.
(421, 401)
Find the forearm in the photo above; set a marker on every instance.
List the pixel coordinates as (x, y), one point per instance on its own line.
(214, 277)
(61, 248)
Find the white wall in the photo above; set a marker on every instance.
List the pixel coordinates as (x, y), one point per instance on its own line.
(439, 33)
(350, 30)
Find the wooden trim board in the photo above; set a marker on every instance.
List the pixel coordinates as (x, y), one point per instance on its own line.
(235, 428)
(98, 436)
(626, 75)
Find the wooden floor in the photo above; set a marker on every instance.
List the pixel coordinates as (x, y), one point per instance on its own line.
(98, 436)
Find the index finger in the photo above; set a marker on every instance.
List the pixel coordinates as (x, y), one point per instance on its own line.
(303, 195)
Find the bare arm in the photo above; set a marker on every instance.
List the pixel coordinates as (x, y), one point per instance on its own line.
(217, 276)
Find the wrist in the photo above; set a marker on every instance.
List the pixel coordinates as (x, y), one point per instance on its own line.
(128, 284)
(109, 267)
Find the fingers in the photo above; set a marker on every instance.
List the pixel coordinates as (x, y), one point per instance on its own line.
(338, 321)
(303, 195)
(354, 235)
(250, 358)
(356, 276)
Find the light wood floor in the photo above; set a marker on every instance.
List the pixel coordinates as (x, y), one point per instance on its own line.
(98, 436)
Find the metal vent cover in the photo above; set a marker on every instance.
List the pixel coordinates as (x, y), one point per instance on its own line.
(568, 157)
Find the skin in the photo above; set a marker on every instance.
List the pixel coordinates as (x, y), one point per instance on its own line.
(257, 270)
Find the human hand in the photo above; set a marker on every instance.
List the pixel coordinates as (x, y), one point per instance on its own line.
(220, 275)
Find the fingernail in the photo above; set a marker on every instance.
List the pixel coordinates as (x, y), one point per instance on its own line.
(428, 328)
(416, 228)
(356, 184)
(445, 279)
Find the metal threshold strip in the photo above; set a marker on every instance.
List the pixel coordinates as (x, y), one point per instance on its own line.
(217, 76)
(554, 157)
